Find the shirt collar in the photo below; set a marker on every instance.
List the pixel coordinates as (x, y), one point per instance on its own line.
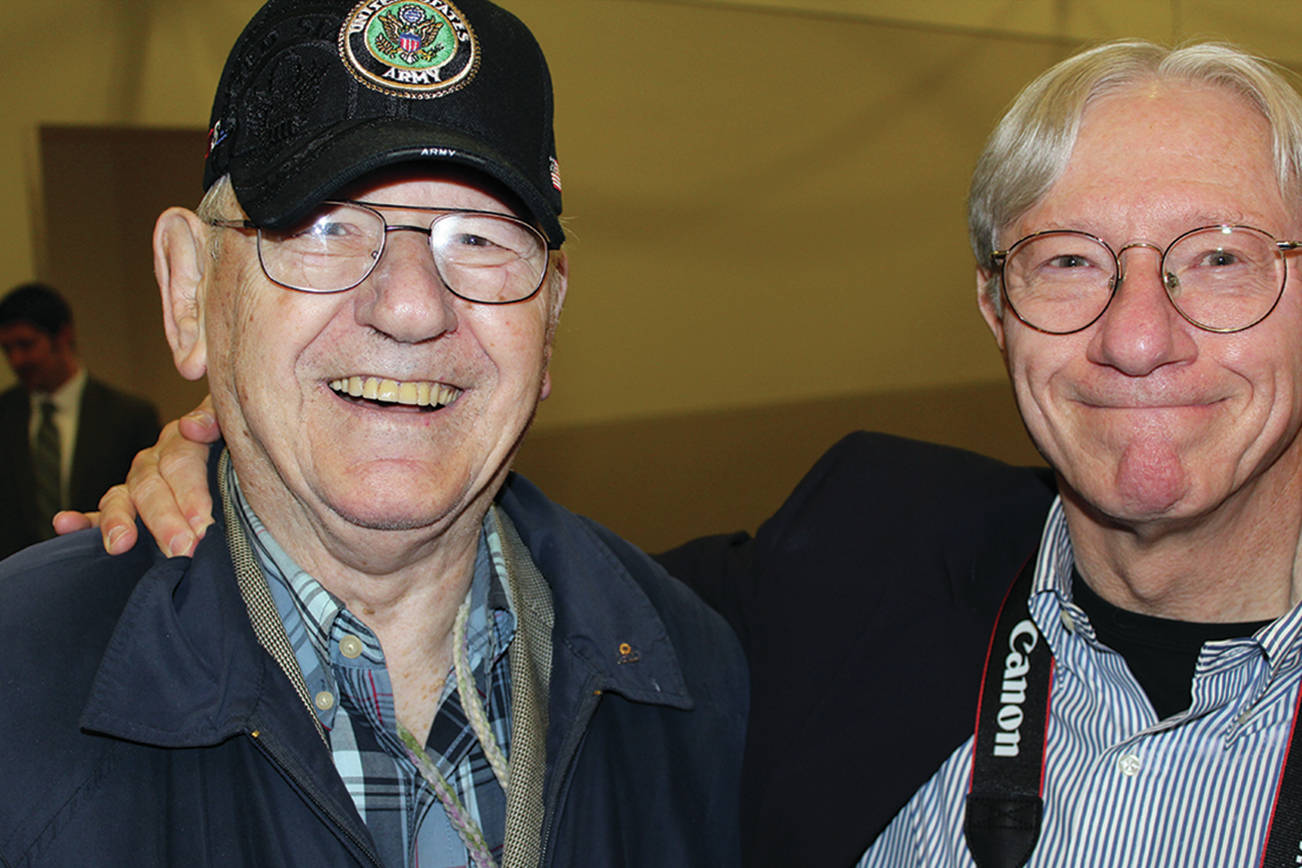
(317, 608)
(1055, 558)
(1280, 640)
(65, 398)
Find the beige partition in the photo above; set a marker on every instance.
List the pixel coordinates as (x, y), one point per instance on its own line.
(663, 480)
(103, 188)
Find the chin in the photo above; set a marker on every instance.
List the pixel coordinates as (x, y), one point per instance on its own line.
(388, 505)
(379, 513)
(378, 522)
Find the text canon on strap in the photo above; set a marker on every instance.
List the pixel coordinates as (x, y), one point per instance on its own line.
(1005, 798)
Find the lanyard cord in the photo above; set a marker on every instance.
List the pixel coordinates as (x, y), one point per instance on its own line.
(472, 703)
(1005, 807)
(467, 829)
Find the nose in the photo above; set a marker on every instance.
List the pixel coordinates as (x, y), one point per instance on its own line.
(1141, 330)
(404, 297)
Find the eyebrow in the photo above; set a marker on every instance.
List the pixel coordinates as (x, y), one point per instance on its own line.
(1194, 220)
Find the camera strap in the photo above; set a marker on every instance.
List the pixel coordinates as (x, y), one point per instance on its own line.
(1005, 804)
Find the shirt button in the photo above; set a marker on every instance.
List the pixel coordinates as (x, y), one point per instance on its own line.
(325, 700)
(350, 647)
(1068, 622)
(1128, 764)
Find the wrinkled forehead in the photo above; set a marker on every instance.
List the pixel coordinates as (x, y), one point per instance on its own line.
(1160, 150)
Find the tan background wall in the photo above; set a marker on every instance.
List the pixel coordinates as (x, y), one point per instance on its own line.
(764, 197)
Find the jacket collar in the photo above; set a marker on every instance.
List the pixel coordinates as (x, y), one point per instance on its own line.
(603, 618)
(184, 669)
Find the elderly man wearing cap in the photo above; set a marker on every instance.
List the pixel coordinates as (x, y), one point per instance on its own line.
(388, 650)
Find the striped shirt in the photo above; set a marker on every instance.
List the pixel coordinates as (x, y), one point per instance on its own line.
(343, 666)
(1123, 789)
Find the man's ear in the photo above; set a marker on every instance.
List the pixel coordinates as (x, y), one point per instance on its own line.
(986, 302)
(180, 265)
(558, 281)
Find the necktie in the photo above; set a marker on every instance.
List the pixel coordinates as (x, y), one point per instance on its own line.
(47, 468)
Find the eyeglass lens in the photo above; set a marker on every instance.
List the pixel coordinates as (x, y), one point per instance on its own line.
(1220, 278)
(480, 257)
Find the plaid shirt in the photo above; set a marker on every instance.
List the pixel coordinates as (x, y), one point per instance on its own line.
(344, 669)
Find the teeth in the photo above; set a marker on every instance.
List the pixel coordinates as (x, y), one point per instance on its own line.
(413, 394)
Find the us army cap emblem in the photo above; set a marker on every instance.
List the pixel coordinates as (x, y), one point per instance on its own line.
(414, 48)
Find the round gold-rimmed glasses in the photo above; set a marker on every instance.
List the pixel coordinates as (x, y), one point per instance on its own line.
(1221, 278)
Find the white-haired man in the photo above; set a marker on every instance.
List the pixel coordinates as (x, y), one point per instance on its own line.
(1135, 216)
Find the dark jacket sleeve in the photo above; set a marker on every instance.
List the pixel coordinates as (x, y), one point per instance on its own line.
(864, 607)
(718, 568)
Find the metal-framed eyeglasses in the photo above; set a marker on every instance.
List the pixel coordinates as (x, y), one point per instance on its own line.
(481, 256)
(1221, 278)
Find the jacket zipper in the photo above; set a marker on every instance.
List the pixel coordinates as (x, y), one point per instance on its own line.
(323, 808)
(569, 757)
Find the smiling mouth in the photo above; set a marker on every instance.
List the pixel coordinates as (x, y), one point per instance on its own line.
(422, 395)
(1191, 404)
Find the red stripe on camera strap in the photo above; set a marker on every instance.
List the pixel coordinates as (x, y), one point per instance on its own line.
(1005, 807)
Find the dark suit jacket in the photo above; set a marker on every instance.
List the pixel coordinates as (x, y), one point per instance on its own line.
(865, 606)
(113, 427)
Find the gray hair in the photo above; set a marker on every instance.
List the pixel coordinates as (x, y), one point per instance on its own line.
(218, 203)
(1029, 149)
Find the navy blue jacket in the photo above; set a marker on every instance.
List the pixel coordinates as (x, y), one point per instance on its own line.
(145, 726)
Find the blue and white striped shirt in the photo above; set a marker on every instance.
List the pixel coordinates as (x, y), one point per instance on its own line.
(1123, 789)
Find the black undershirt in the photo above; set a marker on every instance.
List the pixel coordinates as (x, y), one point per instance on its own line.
(1160, 652)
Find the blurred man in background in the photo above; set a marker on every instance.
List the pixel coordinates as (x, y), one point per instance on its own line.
(64, 434)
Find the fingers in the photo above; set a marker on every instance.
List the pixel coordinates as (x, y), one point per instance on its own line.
(117, 531)
(168, 486)
(183, 463)
(69, 520)
(200, 424)
(116, 519)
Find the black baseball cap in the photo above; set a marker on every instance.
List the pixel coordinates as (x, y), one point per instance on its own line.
(317, 93)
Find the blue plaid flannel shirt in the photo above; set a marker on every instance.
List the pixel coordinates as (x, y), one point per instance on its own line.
(344, 669)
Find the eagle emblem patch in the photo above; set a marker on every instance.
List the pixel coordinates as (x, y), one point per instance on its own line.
(414, 48)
